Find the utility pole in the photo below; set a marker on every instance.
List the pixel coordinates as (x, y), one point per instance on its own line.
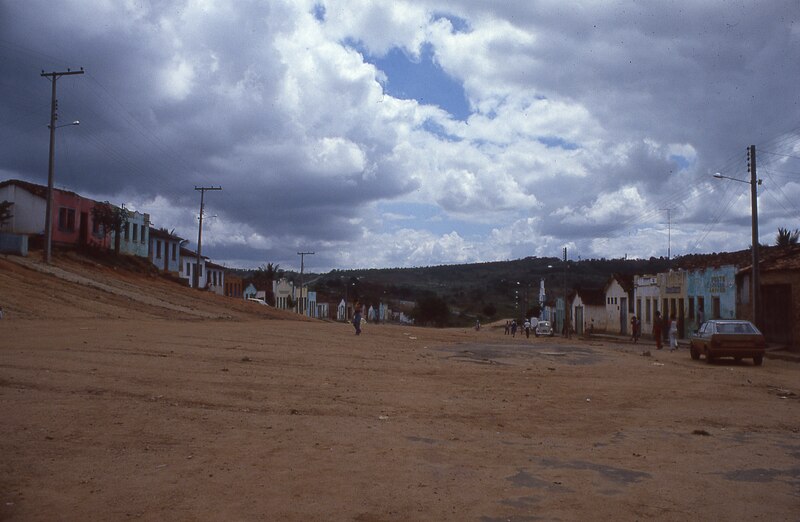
(566, 306)
(196, 275)
(302, 258)
(669, 232)
(48, 215)
(755, 276)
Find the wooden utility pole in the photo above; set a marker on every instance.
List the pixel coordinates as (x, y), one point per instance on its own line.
(196, 275)
(48, 215)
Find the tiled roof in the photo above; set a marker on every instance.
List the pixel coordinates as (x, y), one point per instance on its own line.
(36, 190)
(592, 296)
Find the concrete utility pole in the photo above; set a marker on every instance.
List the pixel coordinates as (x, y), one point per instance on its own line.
(302, 259)
(196, 275)
(669, 233)
(48, 215)
(755, 276)
(756, 271)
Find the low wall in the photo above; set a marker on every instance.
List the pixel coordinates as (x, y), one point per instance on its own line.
(14, 244)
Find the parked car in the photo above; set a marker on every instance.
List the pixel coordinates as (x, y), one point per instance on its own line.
(543, 328)
(728, 338)
(258, 301)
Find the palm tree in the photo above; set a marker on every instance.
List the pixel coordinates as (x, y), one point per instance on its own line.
(264, 276)
(787, 237)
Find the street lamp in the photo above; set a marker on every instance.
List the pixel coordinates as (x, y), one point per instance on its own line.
(755, 276)
(48, 213)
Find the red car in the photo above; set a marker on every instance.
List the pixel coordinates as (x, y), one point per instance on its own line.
(728, 338)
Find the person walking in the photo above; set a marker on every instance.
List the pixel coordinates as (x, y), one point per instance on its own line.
(357, 319)
(508, 328)
(673, 333)
(527, 326)
(657, 329)
(514, 328)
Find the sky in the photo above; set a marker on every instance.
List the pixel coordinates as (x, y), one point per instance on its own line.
(414, 133)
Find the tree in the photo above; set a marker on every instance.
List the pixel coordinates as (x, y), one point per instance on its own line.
(264, 276)
(787, 237)
(111, 218)
(5, 211)
(431, 310)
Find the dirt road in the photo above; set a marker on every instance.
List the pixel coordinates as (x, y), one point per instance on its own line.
(114, 419)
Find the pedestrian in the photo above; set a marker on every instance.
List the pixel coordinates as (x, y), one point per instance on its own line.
(657, 329)
(508, 328)
(478, 325)
(527, 326)
(636, 326)
(673, 333)
(514, 328)
(357, 319)
(1, 312)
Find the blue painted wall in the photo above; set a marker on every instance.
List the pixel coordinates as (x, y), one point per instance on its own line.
(709, 283)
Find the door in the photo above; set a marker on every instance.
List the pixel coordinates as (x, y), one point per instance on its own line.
(776, 302)
(623, 315)
(579, 320)
(83, 239)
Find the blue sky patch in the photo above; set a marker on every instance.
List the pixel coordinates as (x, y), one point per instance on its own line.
(420, 216)
(554, 141)
(421, 79)
(435, 128)
(459, 24)
(682, 162)
(319, 12)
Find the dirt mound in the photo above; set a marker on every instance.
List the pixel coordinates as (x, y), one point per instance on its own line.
(79, 286)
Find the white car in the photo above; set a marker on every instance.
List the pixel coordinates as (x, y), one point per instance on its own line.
(544, 328)
(259, 301)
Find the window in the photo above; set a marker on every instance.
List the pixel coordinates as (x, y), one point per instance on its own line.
(66, 219)
(141, 234)
(135, 231)
(715, 310)
(158, 249)
(691, 308)
(127, 228)
(174, 249)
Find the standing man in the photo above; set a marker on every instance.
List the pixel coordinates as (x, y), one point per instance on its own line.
(357, 318)
(657, 329)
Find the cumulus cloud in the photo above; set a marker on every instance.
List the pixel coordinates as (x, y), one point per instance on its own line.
(584, 121)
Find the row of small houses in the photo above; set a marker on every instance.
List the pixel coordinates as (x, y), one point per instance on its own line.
(701, 287)
(74, 225)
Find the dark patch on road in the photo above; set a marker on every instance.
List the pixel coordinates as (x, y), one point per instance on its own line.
(618, 475)
(422, 439)
(503, 354)
(763, 475)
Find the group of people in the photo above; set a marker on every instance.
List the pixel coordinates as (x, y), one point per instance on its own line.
(511, 328)
(672, 330)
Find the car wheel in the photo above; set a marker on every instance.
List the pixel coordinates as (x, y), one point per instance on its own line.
(758, 359)
(694, 353)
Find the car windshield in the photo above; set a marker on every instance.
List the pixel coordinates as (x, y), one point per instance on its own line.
(735, 328)
(544, 323)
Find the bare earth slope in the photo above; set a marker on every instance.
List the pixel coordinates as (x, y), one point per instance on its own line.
(174, 405)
